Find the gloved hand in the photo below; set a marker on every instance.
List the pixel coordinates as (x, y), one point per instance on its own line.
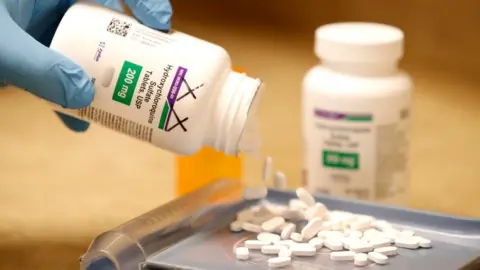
(26, 30)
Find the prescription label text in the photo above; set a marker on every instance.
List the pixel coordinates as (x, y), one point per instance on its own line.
(126, 83)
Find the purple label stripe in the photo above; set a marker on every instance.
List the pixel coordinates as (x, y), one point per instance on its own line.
(329, 115)
(343, 116)
(174, 89)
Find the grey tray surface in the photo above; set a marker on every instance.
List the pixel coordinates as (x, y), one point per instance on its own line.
(456, 241)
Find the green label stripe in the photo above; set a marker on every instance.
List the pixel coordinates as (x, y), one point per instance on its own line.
(341, 160)
(126, 83)
(163, 118)
(360, 118)
(341, 116)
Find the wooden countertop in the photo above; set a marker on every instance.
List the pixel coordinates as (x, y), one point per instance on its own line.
(59, 189)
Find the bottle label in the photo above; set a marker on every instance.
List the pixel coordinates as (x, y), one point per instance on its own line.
(130, 29)
(149, 98)
(352, 155)
(127, 81)
(148, 84)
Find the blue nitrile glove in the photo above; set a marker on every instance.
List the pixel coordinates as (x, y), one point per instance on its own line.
(26, 30)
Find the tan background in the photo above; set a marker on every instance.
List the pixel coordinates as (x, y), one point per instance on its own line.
(59, 189)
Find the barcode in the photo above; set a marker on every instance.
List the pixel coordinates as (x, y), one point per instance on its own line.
(119, 27)
(117, 123)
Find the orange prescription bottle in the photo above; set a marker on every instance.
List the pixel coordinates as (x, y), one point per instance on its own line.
(204, 167)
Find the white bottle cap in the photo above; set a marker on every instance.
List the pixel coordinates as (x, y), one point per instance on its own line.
(359, 42)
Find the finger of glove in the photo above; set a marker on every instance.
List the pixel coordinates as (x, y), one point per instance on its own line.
(113, 4)
(27, 64)
(73, 123)
(153, 13)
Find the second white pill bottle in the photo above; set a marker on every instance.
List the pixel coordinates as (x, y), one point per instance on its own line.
(173, 90)
(356, 113)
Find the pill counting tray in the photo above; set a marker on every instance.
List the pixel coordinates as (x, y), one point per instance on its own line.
(209, 244)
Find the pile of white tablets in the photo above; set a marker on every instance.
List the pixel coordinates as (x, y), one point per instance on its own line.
(350, 237)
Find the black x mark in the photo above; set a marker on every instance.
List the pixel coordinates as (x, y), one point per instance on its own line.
(179, 122)
(189, 90)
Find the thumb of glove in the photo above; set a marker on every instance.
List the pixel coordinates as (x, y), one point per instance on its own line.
(28, 64)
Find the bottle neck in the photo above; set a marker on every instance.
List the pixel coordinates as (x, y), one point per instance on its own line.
(370, 69)
(233, 126)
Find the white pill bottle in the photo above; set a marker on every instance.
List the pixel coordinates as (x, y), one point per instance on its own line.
(356, 111)
(170, 89)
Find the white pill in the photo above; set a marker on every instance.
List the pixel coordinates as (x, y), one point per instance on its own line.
(392, 239)
(285, 243)
(267, 168)
(285, 252)
(276, 210)
(256, 208)
(387, 251)
(262, 210)
(311, 229)
(242, 253)
(330, 234)
(294, 215)
(365, 239)
(279, 262)
(380, 242)
(370, 219)
(318, 210)
(288, 230)
(301, 245)
(296, 204)
(305, 196)
(326, 226)
(296, 237)
(343, 216)
(406, 233)
(360, 247)
(255, 193)
(268, 237)
(390, 234)
(347, 242)
(377, 258)
(316, 243)
(273, 224)
(303, 250)
(236, 226)
(392, 231)
(337, 226)
(371, 232)
(255, 244)
(245, 215)
(271, 249)
(259, 220)
(353, 234)
(280, 228)
(381, 225)
(250, 227)
(342, 256)
(382, 235)
(409, 243)
(333, 244)
(349, 218)
(360, 225)
(361, 259)
(423, 242)
(280, 180)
